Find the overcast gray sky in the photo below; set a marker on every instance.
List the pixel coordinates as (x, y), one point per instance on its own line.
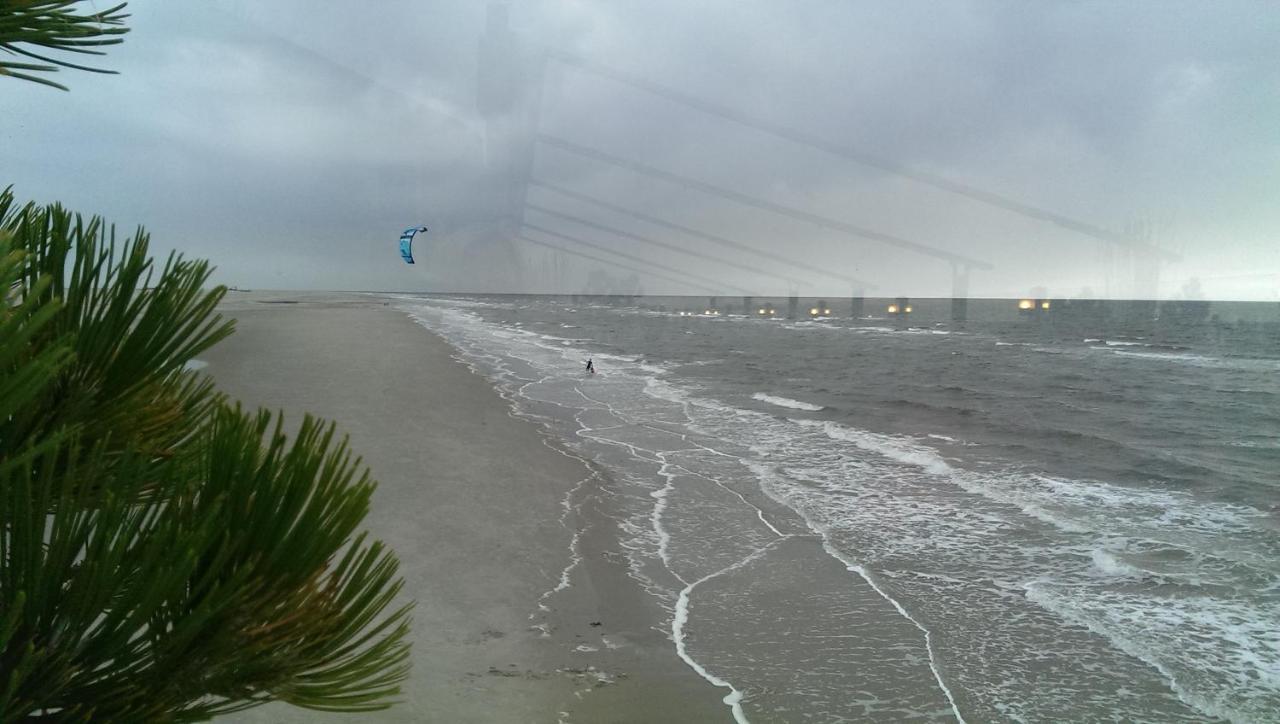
(290, 142)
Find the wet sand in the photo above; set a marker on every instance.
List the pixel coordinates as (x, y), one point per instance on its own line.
(476, 504)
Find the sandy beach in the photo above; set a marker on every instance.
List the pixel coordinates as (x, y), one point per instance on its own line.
(474, 502)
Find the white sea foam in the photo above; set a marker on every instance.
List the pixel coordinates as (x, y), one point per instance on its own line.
(1181, 637)
(786, 402)
(1107, 562)
(659, 506)
(1260, 444)
(1003, 488)
(898, 449)
(681, 619)
(877, 505)
(1193, 359)
(765, 473)
(1186, 358)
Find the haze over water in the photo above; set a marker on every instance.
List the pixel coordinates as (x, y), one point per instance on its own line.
(1059, 516)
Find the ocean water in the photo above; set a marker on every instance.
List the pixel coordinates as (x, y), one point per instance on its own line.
(1068, 515)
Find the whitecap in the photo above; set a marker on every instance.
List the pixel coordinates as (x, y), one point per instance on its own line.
(786, 402)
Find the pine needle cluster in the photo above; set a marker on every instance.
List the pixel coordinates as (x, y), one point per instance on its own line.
(166, 555)
(38, 29)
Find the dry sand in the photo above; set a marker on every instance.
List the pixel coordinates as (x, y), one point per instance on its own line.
(470, 498)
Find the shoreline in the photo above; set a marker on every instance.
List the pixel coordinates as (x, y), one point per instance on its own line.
(526, 610)
(723, 607)
(847, 571)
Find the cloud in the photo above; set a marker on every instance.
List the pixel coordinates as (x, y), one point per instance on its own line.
(287, 140)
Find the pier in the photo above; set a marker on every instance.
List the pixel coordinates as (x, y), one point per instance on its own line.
(510, 99)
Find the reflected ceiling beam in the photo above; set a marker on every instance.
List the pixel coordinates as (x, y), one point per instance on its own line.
(613, 262)
(716, 284)
(326, 57)
(762, 204)
(866, 159)
(654, 242)
(601, 203)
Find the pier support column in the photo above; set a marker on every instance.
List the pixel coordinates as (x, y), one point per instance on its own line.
(748, 306)
(959, 292)
(793, 305)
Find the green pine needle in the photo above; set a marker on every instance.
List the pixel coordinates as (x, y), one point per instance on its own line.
(55, 25)
(166, 556)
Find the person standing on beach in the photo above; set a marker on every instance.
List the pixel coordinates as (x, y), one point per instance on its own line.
(590, 366)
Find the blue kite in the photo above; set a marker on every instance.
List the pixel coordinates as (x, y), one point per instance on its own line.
(406, 242)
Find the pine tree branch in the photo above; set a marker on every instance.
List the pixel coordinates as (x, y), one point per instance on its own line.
(55, 25)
